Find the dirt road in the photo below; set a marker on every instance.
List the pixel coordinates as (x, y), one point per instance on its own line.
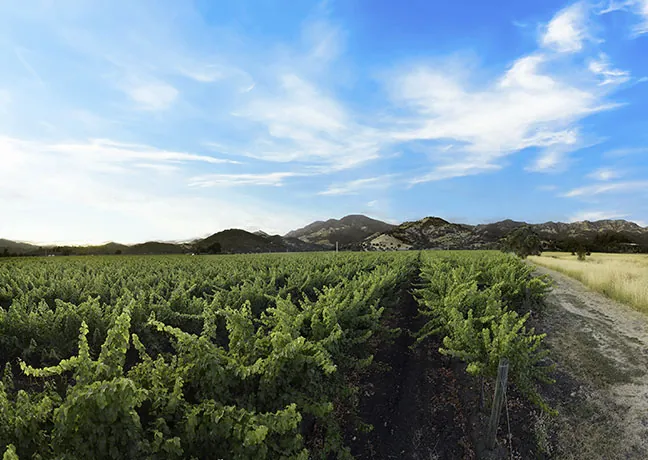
(601, 352)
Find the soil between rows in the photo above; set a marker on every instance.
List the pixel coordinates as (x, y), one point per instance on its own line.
(424, 406)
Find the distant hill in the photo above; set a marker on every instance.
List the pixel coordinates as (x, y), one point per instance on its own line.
(428, 233)
(347, 231)
(156, 247)
(240, 241)
(16, 246)
(358, 232)
(436, 233)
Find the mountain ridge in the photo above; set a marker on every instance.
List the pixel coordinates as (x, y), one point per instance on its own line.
(359, 232)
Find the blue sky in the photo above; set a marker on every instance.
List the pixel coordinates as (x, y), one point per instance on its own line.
(131, 121)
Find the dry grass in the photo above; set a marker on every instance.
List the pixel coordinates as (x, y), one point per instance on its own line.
(623, 277)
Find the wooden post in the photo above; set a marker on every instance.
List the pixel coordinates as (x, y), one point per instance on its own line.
(498, 400)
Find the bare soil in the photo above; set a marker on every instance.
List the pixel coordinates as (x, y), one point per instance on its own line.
(600, 348)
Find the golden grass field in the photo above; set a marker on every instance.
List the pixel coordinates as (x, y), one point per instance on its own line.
(623, 277)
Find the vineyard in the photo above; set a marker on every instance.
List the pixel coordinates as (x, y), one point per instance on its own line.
(239, 357)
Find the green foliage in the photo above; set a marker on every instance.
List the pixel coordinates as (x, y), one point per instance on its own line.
(176, 357)
(523, 242)
(225, 357)
(10, 453)
(473, 302)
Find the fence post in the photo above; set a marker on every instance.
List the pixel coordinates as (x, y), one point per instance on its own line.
(498, 400)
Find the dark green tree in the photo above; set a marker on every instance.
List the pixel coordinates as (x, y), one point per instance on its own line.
(214, 248)
(523, 242)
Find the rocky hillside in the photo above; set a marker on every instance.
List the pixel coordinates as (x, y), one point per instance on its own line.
(436, 233)
(428, 233)
(348, 231)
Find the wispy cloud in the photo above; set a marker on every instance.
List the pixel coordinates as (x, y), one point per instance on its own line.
(609, 187)
(275, 179)
(567, 30)
(151, 95)
(303, 123)
(551, 160)
(5, 99)
(608, 75)
(596, 215)
(20, 54)
(208, 72)
(355, 186)
(105, 151)
(449, 171)
(636, 7)
(605, 174)
(626, 151)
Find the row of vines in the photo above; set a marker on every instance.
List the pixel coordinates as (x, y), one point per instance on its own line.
(233, 357)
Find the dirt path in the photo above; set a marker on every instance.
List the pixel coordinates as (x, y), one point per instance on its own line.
(412, 400)
(601, 352)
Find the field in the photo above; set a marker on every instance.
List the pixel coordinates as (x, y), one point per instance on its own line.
(260, 356)
(623, 277)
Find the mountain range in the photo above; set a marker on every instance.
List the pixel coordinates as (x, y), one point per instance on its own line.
(358, 232)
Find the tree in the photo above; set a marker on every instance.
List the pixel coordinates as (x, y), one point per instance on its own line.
(214, 248)
(523, 242)
(118, 251)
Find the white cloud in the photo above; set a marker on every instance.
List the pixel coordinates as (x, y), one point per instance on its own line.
(605, 174)
(449, 171)
(621, 152)
(73, 196)
(642, 11)
(275, 179)
(609, 187)
(151, 95)
(305, 124)
(603, 69)
(212, 73)
(596, 215)
(323, 40)
(548, 161)
(160, 168)
(637, 7)
(567, 30)
(528, 106)
(104, 152)
(355, 186)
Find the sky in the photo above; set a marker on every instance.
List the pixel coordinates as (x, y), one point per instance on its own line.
(165, 120)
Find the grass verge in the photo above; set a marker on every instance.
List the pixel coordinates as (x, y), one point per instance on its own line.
(623, 277)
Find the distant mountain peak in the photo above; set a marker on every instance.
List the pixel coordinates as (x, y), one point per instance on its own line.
(348, 230)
